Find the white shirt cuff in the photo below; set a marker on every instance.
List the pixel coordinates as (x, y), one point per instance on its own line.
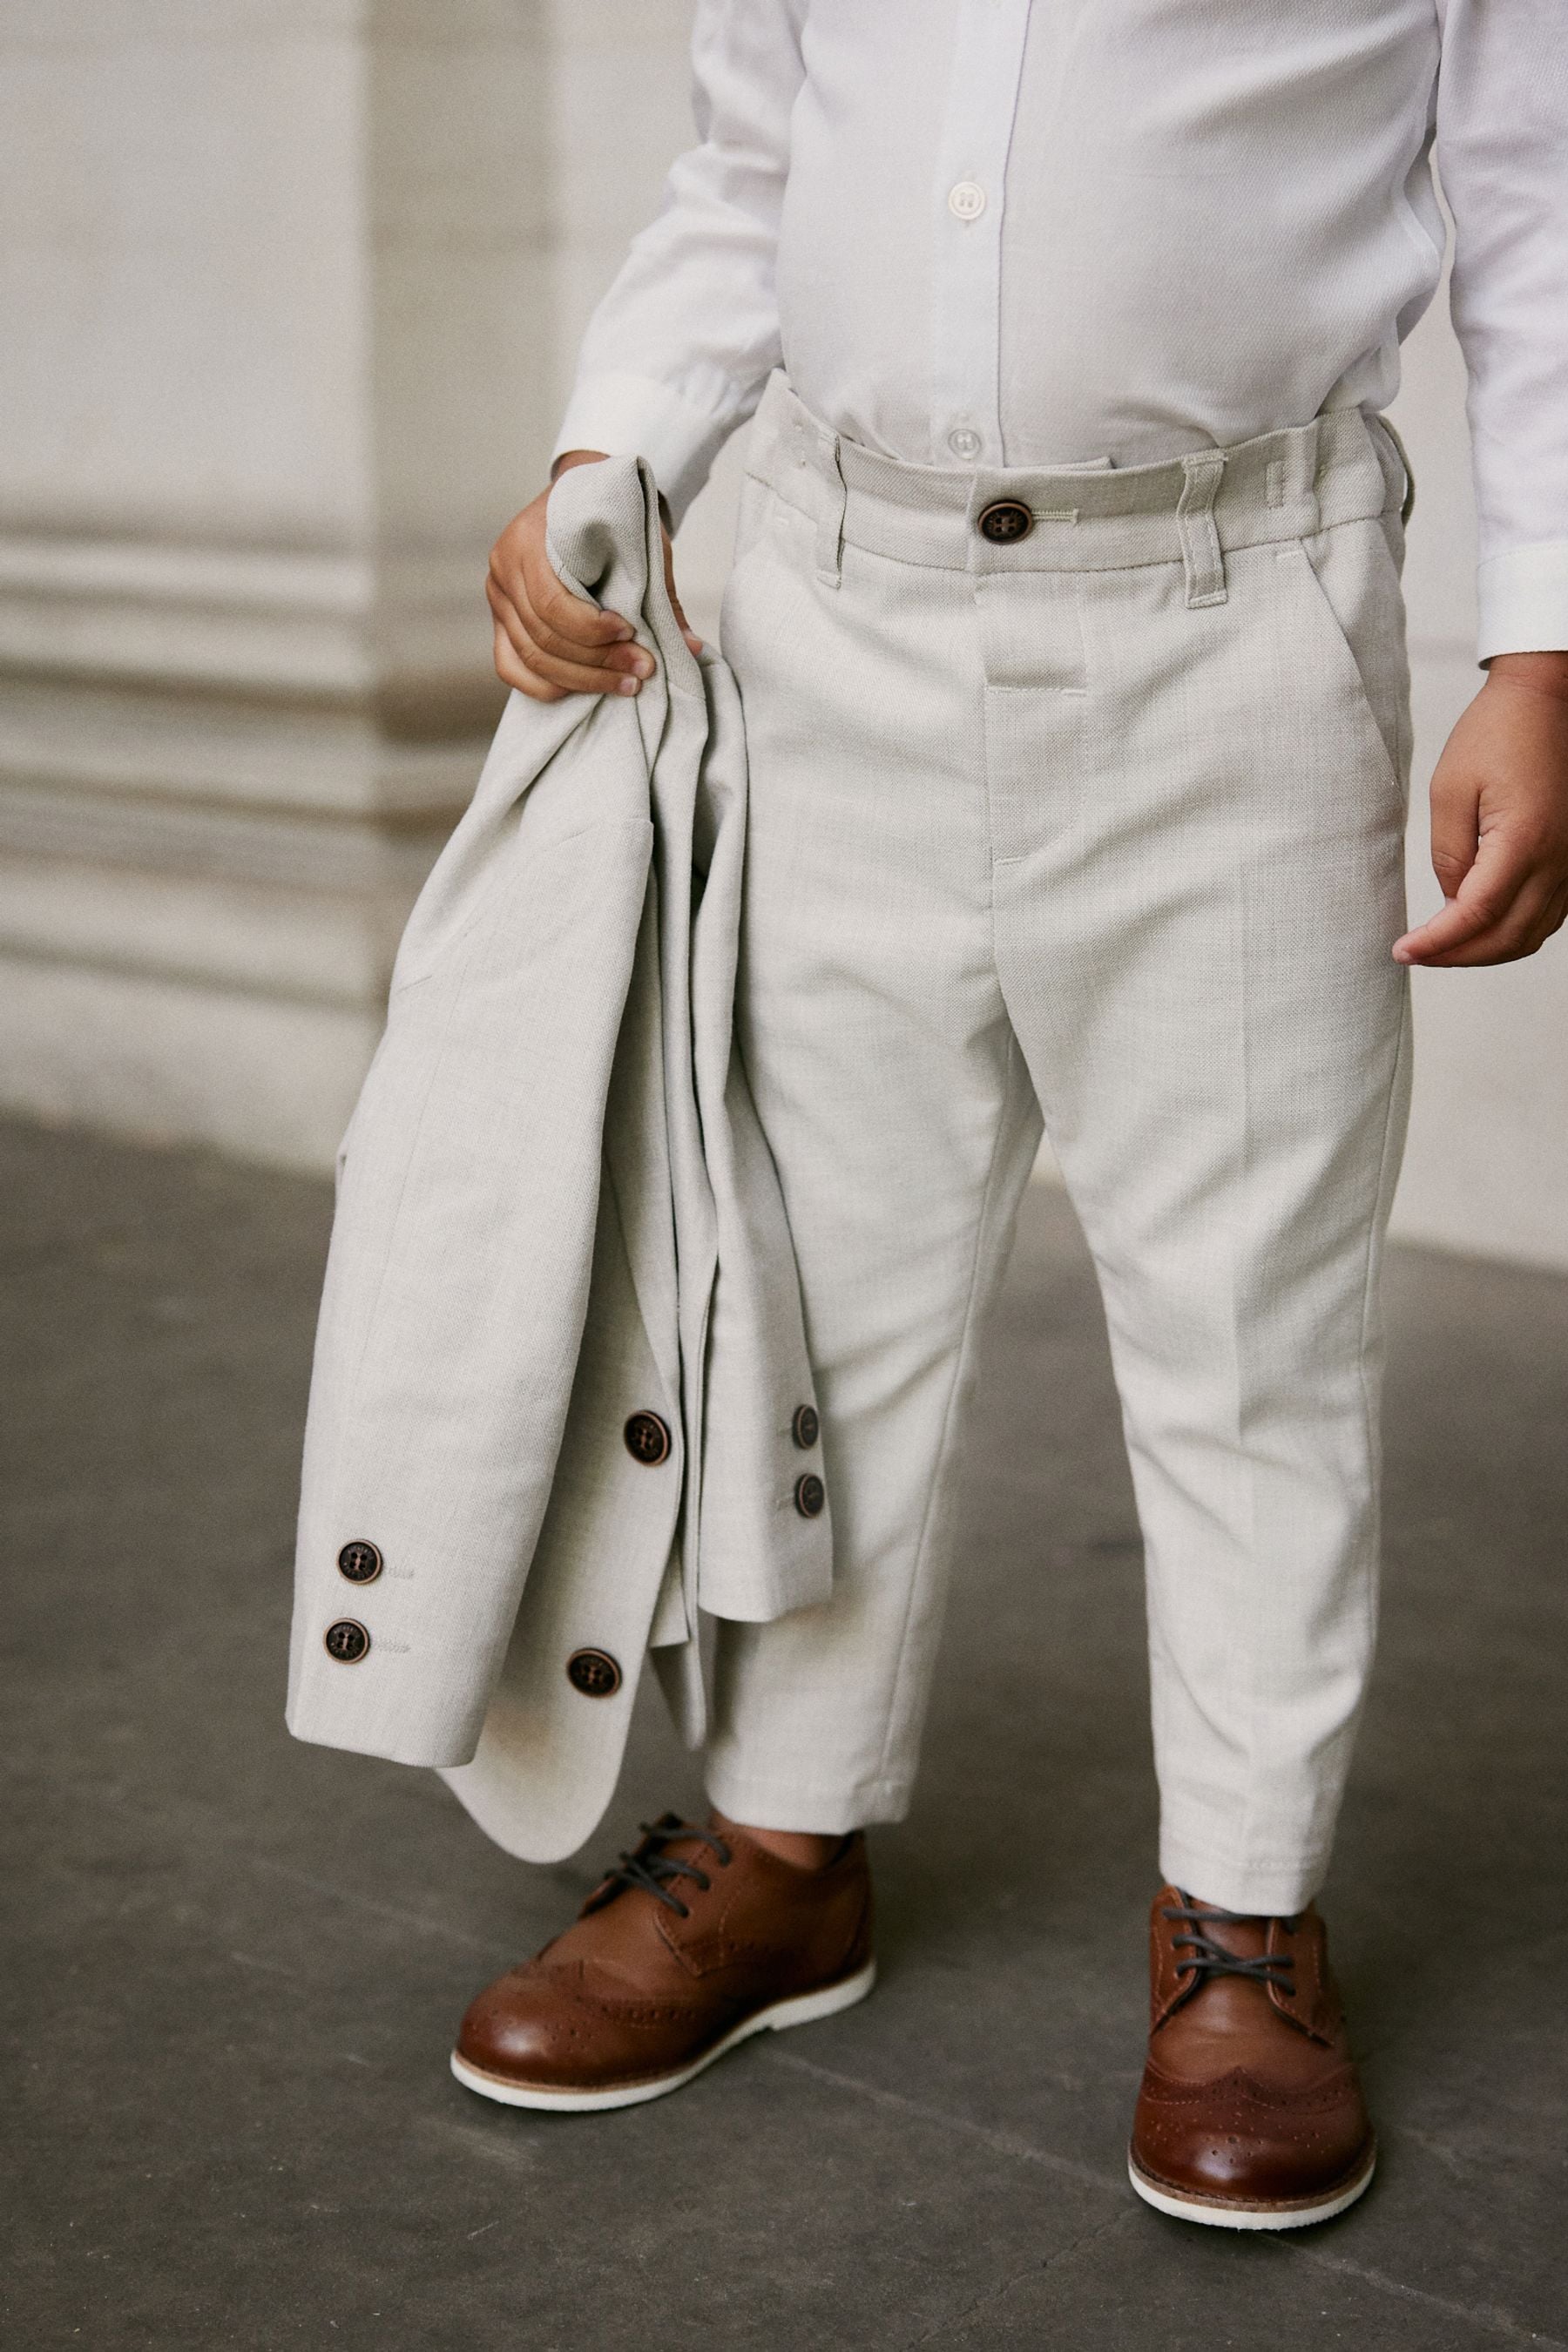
(1523, 599)
(636, 416)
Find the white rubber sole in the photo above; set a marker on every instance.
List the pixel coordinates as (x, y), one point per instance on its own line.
(805, 2008)
(1217, 2215)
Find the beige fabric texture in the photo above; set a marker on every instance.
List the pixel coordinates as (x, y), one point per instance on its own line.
(1105, 823)
(553, 1154)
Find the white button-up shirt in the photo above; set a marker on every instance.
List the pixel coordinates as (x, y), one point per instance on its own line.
(1035, 232)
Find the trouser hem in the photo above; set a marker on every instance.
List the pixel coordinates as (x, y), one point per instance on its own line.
(1274, 1890)
(823, 1813)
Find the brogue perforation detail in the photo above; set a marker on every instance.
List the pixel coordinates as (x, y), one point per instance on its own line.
(1247, 2091)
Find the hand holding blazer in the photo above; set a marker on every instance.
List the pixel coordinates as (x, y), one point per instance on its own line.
(559, 1252)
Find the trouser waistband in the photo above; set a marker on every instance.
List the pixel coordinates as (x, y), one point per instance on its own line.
(1343, 465)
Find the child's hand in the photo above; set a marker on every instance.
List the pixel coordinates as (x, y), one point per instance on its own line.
(1499, 820)
(548, 641)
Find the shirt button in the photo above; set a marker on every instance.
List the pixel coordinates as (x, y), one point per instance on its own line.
(347, 1641)
(648, 1439)
(963, 441)
(967, 199)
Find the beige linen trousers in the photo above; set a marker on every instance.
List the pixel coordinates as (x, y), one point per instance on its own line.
(1102, 823)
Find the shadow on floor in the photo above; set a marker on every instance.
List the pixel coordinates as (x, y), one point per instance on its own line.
(234, 1964)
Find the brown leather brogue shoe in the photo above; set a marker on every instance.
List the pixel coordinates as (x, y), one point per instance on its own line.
(695, 1940)
(1250, 2116)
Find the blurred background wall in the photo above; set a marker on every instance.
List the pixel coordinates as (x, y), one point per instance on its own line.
(291, 293)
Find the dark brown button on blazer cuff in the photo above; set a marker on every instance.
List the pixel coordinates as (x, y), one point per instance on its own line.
(810, 1494)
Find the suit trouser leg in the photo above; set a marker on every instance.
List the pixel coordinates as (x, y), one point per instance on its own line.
(1151, 848)
(895, 1100)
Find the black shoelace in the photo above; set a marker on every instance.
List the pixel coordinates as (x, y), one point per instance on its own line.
(649, 1867)
(1211, 1959)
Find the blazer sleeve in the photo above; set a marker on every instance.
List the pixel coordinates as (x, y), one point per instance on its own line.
(676, 354)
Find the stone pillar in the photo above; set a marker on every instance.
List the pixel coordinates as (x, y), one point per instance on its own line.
(278, 361)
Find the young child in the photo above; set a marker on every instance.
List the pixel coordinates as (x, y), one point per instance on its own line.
(1066, 614)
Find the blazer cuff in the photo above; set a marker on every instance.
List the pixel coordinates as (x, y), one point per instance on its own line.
(636, 416)
(1523, 599)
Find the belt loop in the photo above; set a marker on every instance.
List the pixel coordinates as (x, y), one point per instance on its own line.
(1408, 504)
(834, 496)
(1202, 559)
(1303, 448)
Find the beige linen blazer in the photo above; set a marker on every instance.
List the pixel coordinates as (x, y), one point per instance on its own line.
(561, 1395)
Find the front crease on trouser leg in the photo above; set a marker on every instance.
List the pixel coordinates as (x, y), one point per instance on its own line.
(1141, 849)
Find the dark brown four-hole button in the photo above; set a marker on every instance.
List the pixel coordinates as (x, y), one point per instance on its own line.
(594, 1673)
(810, 1494)
(347, 1641)
(648, 1439)
(806, 1428)
(1006, 519)
(359, 1562)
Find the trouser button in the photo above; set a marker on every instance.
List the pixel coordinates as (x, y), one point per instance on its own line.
(1005, 520)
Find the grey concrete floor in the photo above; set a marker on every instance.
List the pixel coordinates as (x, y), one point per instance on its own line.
(233, 1965)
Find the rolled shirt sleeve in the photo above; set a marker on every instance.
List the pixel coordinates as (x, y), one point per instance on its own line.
(1502, 151)
(676, 354)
